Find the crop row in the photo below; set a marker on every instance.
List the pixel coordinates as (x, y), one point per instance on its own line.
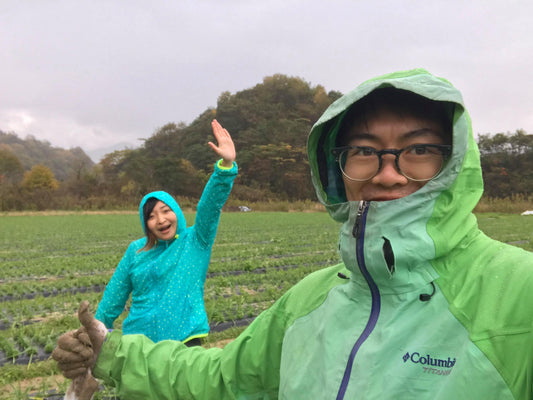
(271, 280)
(27, 345)
(48, 265)
(36, 323)
(50, 286)
(225, 257)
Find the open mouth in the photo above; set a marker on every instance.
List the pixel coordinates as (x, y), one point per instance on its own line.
(164, 229)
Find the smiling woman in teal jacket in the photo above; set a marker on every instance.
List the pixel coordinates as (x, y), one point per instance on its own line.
(166, 270)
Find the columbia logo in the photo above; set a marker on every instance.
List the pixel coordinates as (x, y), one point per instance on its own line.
(427, 360)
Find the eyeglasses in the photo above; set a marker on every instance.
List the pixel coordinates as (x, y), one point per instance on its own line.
(418, 162)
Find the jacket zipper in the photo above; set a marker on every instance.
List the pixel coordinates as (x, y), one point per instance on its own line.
(358, 233)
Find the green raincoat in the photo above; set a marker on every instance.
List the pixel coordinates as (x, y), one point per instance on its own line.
(372, 336)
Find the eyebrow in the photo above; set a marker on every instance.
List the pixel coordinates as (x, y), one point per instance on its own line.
(423, 132)
(163, 207)
(406, 135)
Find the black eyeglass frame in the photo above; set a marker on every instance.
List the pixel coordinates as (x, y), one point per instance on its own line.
(445, 149)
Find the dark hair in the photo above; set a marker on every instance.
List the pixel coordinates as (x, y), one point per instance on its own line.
(151, 239)
(397, 101)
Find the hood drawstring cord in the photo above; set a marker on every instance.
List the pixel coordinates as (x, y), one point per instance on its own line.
(428, 296)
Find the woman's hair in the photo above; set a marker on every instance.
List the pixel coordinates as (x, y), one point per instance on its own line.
(151, 239)
(400, 102)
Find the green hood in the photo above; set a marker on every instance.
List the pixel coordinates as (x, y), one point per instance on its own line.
(438, 215)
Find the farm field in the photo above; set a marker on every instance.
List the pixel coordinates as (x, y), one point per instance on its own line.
(50, 263)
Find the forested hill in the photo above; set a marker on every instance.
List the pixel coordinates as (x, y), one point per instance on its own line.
(30, 152)
(269, 124)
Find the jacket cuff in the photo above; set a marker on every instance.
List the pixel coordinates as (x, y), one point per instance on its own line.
(232, 169)
(104, 362)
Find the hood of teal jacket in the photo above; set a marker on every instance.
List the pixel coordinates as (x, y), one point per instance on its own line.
(424, 225)
(169, 201)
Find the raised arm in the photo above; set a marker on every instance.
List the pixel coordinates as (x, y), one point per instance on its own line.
(218, 187)
(116, 292)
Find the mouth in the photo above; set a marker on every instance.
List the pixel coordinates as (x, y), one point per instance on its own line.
(386, 195)
(164, 229)
(385, 198)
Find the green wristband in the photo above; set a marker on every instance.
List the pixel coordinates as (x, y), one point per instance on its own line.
(219, 165)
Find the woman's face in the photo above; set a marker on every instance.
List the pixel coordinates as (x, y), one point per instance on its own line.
(162, 222)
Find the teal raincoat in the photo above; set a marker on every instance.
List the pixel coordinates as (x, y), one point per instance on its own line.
(166, 283)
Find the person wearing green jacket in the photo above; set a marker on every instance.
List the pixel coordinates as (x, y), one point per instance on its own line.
(423, 306)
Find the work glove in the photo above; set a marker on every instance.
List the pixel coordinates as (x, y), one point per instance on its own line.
(76, 354)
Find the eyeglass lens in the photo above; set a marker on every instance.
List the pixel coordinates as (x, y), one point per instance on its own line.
(418, 163)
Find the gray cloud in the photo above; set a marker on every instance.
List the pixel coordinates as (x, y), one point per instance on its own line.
(102, 74)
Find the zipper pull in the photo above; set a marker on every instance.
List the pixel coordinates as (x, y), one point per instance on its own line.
(356, 232)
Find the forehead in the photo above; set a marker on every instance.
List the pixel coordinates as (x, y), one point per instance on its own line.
(388, 126)
(160, 205)
(398, 110)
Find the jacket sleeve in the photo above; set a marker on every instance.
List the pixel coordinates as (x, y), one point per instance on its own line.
(116, 292)
(213, 198)
(247, 368)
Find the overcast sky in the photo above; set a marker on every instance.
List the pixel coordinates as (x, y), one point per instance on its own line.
(102, 74)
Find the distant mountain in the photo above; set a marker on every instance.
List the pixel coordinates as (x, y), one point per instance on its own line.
(30, 152)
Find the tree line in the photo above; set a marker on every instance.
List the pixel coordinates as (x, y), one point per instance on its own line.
(507, 163)
(269, 124)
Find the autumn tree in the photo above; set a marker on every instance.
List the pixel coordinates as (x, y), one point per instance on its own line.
(11, 169)
(39, 183)
(11, 173)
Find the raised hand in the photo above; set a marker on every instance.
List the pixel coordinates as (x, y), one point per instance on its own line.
(225, 148)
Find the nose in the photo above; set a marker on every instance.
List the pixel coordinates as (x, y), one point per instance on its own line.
(389, 175)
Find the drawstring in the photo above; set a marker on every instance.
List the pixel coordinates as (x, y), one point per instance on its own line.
(428, 296)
